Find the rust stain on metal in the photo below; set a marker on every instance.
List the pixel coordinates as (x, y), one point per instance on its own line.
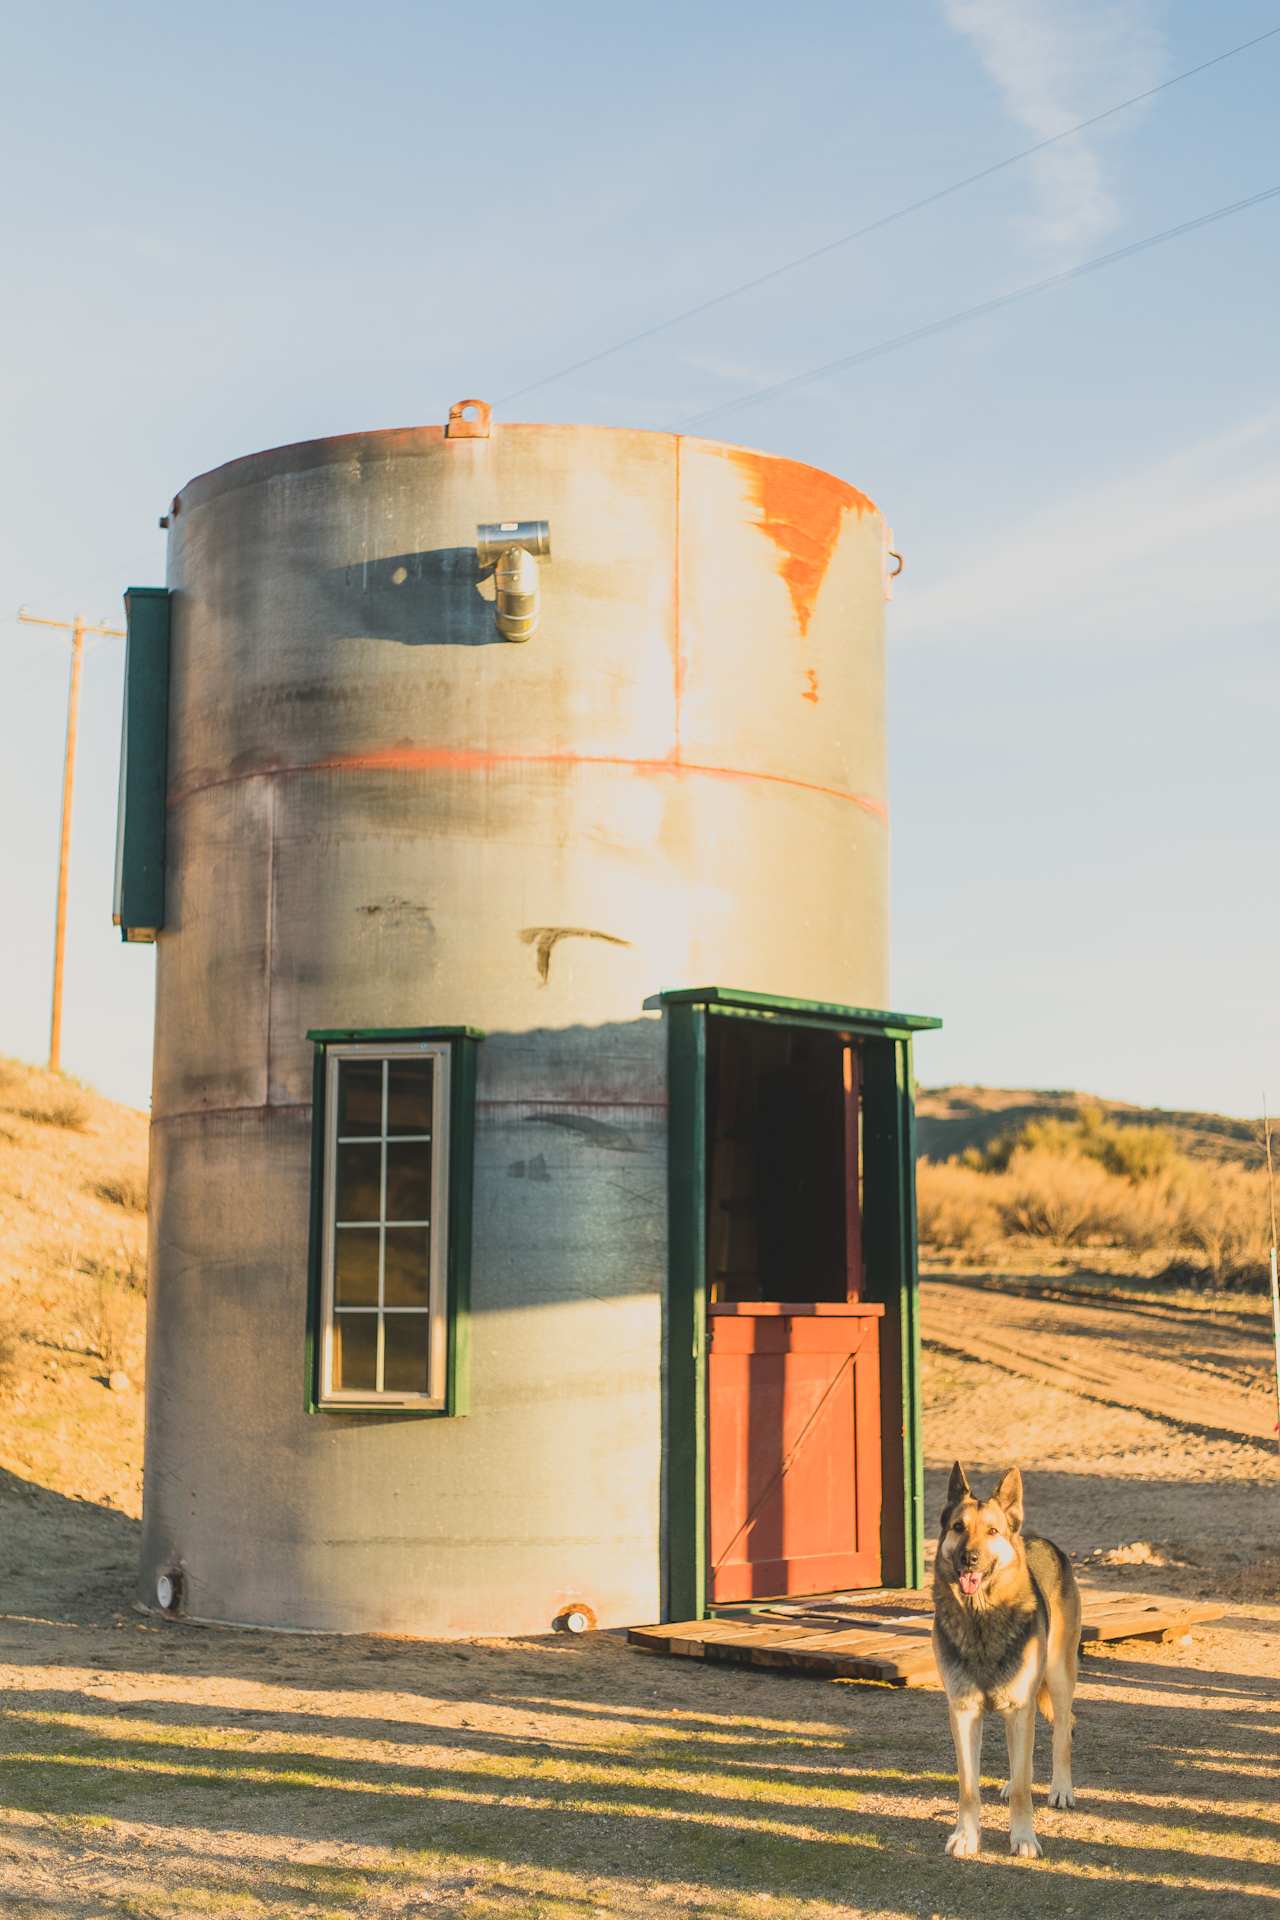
(802, 511)
(811, 690)
(409, 759)
(546, 939)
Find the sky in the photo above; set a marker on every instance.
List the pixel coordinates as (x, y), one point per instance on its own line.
(234, 227)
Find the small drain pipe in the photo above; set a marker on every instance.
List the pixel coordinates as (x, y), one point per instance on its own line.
(513, 548)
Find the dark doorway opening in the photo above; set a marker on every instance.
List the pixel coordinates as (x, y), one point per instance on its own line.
(784, 1138)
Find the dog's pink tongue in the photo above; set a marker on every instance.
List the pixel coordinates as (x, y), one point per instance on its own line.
(970, 1581)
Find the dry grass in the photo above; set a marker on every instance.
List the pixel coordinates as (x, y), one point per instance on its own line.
(56, 1110)
(8, 1355)
(956, 1207)
(1063, 1198)
(73, 1289)
(127, 1190)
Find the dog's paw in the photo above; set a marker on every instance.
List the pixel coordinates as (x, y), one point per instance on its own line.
(1062, 1796)
(1006, 1789)
(1025, 1846)
(964, 1843)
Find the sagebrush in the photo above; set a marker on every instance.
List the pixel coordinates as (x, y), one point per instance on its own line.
(127, 1190)
(1088, 1182)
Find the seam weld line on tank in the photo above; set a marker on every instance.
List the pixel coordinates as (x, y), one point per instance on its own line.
(542, 1100)
(304, 1106)
(473, 760)
(677, 634)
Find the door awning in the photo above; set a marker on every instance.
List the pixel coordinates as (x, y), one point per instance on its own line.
(787, 1012)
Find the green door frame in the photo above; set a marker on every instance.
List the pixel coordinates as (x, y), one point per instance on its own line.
(889, 1162)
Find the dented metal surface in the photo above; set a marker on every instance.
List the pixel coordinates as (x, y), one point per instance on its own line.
(381, 815)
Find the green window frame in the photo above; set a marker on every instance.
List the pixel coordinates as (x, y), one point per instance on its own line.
(393, 1127)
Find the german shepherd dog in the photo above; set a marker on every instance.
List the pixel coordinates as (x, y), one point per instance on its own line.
(1006, 1631)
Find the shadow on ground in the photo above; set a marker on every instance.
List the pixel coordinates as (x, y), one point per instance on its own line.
(580, 1774)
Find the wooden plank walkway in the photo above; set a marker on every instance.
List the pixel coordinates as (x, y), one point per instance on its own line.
(867, 1637)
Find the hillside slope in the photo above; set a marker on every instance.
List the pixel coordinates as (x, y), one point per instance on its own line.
(73, 1170)
(952, 1119)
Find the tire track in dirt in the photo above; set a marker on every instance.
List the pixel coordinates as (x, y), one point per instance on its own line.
(1104, 1353)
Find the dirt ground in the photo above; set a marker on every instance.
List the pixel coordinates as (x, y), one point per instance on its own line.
(162, 1771)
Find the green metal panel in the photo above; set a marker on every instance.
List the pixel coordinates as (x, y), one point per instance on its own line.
(462, 1141)
(685, 1488)
(888, 1145)
(316, 1242)
(138, 908)
(462, 1136)
(912, 1399)
(828, 1012)
(393, 1034)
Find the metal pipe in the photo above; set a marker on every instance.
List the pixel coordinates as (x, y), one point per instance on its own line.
(494, 537)
(512, 544)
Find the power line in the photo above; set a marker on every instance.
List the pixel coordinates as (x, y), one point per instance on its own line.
(975, 312)
(885, 220)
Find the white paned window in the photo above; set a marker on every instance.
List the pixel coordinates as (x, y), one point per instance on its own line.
(384, 1335)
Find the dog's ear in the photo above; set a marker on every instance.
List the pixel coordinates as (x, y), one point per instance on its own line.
(1009, 1496)
(957, 1488)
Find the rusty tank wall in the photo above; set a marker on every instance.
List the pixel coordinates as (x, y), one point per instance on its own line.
(383, 815)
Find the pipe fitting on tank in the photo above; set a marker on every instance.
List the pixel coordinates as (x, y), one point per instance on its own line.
(513, 548)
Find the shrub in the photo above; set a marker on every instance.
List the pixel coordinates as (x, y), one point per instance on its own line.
(955, 1207)
(1147, 1213)
(56, 1110)
(1224, 1214)
(1135, 1153)
(1140, 1153)
(125, 1269)
(8, 1354)
(102, 1313)
(127, 1190)
(1065, 1198)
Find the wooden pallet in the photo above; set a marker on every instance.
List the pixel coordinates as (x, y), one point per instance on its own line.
(847, 1638)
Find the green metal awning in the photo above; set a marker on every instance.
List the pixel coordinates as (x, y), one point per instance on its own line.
(775, 1006)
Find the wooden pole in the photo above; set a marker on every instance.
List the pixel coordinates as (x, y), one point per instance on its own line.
(77, 629)
(1275, 1283)
(64, 841)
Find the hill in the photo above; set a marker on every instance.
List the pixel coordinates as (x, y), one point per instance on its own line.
(952, 1119)
(73, 1174)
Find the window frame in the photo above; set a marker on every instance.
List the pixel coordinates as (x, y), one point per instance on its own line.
(452, 1050)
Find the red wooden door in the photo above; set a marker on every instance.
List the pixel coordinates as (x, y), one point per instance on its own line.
(793, 1450)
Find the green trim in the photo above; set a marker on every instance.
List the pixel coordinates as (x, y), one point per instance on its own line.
(912, 1393)
(869, 1029)
(827, 1012)
(311, 1390)
(685, 1487)
(324, 1034)
(462, 1135)
(889, 1146)
(138, 904)
(888, 1141)
(462, 1143)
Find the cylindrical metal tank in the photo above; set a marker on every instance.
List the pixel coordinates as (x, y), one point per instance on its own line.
(383, 815)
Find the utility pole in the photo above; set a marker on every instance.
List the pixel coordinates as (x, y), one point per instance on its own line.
(77, 628)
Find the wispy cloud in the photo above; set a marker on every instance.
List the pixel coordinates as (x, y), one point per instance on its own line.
(1189, 537)
(1055, 62)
